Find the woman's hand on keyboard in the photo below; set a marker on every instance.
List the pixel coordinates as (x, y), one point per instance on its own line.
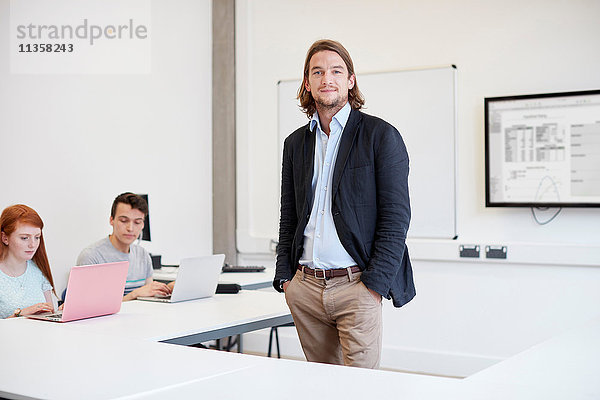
(37, 309)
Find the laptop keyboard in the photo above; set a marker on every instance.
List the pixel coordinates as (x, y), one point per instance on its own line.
(56, 314)
(54, 317)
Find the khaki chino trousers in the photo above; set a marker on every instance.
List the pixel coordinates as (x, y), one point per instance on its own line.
(338, 320)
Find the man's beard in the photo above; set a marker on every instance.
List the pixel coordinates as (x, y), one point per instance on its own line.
(329, 104)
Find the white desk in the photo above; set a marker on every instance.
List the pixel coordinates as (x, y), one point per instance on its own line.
(105, 366)
(564, 367)
(50, 362)
(279, 379)
(247, 280)
(187, 322)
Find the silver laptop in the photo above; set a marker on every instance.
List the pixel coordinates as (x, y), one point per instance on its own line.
(197, 277)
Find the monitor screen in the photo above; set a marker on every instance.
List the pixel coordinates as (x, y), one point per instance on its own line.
(146, 230)
(543, 150)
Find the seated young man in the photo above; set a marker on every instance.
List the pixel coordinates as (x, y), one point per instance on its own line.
(127, 220)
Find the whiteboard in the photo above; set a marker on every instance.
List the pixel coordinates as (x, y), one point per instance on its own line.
(421, 104)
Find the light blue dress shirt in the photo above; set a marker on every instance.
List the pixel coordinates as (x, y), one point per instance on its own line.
(322, 246)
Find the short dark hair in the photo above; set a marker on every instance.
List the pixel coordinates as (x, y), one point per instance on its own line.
(136, 202)
(307, 103)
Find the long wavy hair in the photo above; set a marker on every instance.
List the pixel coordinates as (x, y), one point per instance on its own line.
(22, 214)
(307, 103)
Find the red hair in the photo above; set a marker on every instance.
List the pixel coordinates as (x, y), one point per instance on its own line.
(21, 214)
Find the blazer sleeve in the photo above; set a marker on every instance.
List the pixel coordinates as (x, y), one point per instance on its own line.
(393, 212)
(288, 220)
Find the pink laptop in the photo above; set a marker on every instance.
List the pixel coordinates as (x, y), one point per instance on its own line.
(92, 291)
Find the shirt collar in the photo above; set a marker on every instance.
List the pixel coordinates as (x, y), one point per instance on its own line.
(341, 117)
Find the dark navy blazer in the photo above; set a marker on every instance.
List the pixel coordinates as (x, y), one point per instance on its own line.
(370, 203)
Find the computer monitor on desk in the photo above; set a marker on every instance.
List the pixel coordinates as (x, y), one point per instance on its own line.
(146, 231)
(156, 258)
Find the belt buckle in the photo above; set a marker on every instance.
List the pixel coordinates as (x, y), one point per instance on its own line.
(315, 274)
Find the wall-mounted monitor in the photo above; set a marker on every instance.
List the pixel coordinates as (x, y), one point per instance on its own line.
(543, 150)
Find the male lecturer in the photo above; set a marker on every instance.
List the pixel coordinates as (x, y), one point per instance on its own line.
(345, 213)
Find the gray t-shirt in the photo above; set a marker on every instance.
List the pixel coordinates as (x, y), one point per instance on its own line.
(140, 263)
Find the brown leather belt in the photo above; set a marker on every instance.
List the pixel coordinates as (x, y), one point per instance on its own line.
(328, 273)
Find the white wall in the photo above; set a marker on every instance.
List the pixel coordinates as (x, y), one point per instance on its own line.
(466, 314)
(70, 143)
(500, 48)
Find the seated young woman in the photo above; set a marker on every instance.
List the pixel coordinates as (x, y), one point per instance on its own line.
(26, 283)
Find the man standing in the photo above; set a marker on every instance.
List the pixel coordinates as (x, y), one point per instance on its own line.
(127, 217)
(345, 213)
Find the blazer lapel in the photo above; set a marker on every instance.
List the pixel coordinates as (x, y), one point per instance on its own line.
(308, 165)
(346, 143)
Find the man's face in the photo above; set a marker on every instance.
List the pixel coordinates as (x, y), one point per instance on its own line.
(127, 224)
(328, 80)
